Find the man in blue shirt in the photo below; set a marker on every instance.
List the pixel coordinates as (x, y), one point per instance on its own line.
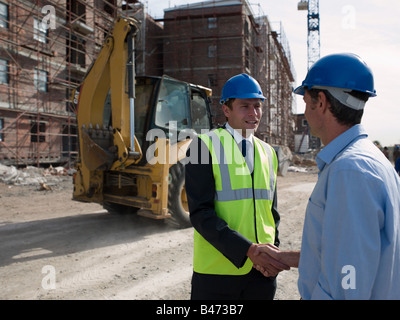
(351, 238)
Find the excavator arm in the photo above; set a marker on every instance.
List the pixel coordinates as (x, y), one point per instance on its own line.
(103, 145)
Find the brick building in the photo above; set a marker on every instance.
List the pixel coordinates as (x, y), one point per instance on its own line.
(208, 42)
(46, 47)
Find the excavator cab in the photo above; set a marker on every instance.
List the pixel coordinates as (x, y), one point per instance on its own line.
(169, 105)
(161, 103)
(166, 104)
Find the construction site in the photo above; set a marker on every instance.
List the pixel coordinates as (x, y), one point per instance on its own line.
(48, 46)
(93, 207)
(56, 248)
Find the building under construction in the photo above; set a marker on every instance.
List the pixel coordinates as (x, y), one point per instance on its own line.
(46, 48)
(208, 42)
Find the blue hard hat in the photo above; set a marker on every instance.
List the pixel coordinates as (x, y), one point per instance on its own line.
(344, 70)
(241, 86)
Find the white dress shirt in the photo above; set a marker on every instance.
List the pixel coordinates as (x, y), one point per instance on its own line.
(249, 142)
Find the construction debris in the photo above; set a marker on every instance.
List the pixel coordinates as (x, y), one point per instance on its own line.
(44, 186)
(304, 160)
(44, 177)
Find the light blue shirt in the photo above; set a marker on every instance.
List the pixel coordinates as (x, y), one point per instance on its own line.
(351, 238)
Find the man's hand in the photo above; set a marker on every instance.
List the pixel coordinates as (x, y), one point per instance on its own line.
(265, 263)
(289, 258)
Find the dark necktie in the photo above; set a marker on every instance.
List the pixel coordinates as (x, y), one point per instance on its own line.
(244, 148)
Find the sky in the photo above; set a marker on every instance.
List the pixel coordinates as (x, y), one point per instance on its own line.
(368, 28)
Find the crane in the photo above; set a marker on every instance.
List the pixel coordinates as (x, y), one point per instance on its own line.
(313, 42)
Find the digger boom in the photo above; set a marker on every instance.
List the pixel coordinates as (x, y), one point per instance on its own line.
(116, 111)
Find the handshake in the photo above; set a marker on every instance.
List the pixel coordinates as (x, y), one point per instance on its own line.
(269, 260)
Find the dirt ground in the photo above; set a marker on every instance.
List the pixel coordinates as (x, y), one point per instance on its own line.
(54, 248)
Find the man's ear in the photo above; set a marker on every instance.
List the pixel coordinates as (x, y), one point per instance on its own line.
(322, 102)
(226, 110)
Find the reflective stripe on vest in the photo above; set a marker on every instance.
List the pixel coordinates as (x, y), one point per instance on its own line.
(227, 194)
(236, 198)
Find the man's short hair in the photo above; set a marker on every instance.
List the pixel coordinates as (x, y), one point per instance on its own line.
(343, 114)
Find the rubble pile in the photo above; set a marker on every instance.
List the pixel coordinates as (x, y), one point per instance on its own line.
(304, 163)
(33, 175)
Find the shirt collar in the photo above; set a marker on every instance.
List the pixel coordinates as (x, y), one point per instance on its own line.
(237, 136)
(328, 154)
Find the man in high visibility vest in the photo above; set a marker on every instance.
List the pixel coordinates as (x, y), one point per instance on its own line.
(231, 190)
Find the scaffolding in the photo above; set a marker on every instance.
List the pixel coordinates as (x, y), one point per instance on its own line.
(46, 49)
(208, 42)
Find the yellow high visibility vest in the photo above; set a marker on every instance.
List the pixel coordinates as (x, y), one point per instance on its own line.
(244, 204)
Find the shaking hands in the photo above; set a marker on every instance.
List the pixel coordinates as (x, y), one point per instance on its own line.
(269, 260)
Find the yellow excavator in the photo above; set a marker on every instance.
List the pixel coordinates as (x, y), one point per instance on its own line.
(134, 132)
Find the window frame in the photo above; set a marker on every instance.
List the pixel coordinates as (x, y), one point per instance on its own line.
(4, 71)
(1, 129)
(4, 17)
(40, 84)
(40, 33)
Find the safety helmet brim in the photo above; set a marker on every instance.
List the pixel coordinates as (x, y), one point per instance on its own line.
(244, 96)
(241, 86)
(300, 90)
(345, 70)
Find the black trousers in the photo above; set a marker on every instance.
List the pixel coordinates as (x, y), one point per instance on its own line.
(252, 286)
